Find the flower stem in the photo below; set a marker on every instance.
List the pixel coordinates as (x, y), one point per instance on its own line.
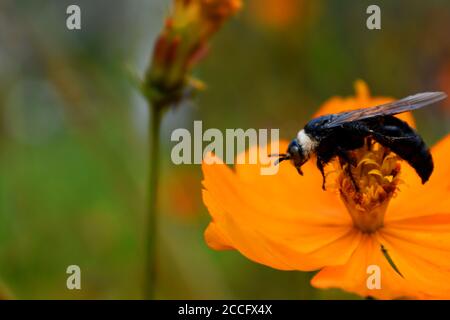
(155, 113)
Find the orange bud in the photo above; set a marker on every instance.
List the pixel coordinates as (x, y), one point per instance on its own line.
(183, 43)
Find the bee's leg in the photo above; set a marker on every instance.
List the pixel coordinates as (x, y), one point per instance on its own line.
(320, 166)
(345, 158)
(352, 179)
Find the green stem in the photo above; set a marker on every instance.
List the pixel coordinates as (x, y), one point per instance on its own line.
(152, 206)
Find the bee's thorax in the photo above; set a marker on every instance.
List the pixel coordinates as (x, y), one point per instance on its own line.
(307, 143)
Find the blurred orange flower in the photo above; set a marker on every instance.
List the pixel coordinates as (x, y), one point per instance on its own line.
(444, 78)
(180, 197)
(275, 13)
(287, 222)
(182, 43)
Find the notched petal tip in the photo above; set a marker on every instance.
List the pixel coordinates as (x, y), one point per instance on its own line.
(215, 239)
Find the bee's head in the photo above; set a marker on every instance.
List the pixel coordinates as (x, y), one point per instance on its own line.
(295, 154)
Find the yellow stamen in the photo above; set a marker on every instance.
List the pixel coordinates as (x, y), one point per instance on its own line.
(367, 188)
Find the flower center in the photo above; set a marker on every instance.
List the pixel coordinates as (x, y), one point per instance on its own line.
(367, 186)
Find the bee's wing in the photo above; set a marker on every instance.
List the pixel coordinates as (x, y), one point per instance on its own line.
(406, 104)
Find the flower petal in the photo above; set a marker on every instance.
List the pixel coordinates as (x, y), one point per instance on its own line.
(424, 265)
(281, 234)
(353, 276)
(430, 232)
(215, 238)
(286, 188)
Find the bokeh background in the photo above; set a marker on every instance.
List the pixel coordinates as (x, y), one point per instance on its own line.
(73, 131)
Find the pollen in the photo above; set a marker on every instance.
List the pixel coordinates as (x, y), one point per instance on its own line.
(367, 184)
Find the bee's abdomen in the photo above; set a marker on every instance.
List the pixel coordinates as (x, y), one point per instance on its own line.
(404, 141)
(417, 154)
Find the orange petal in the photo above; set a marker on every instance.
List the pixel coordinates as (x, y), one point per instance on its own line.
(248, 241)
(282, 234)
(215, 238)
(429, 232)
(353, 276)
(415, 199)
(301, 193)
(423, 265)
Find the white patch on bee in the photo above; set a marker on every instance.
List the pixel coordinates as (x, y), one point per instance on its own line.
(308, 144)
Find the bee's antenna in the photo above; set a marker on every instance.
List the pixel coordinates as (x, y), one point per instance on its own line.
(277, 155)
(281, 157)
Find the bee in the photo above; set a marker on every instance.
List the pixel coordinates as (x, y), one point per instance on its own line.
(336, 135)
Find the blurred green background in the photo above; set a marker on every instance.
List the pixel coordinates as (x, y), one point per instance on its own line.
(73, 131)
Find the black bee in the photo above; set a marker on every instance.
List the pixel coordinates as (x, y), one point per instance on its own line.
(334, 135)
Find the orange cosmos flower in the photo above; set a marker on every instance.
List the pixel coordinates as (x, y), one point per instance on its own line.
(443, 78)
(287, 222)
(180, 197)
